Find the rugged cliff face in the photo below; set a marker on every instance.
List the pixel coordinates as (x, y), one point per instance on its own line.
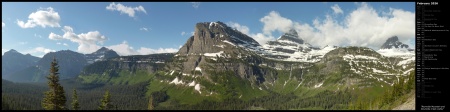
(148, 63)
(216, 47)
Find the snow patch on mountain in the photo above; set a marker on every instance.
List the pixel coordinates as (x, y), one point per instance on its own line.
(197, 87)
(406, 61)
(318, 85)
(176, 81)
(214, 54)
(231, 43)
(192, 83)
(198, 69)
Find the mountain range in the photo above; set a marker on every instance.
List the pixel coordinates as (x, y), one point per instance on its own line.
(220, 62)
(26, 68)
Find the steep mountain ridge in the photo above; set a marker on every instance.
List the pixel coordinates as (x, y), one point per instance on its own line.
(13, 61)
(101, 55)
(71, 63)
(290, 47)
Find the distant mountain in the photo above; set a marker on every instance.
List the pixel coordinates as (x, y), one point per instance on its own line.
(13, 61)
(393, 42)
(101, 55)
(290, 47)
(394, 48)
(111, 69)
(70, 65)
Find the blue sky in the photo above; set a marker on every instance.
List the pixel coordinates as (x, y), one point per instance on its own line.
(132, 28)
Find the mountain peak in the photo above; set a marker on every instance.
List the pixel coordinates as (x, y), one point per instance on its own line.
(103, 49)
(291, 35)
(213, 37)
(100, 55)
(12, 51)
(393, 42)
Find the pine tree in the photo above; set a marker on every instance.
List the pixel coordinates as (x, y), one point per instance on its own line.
(150, 103)
(55, 98)
(106, 102)
(75, 104)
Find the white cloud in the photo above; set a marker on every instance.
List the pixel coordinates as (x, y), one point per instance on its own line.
(125, 9)
(262, 38)
(183, 33)
(192, 33)
(44, 50)
(274, 22)
(3, 24)
(39, 50)
(143, 29)
(195, 4)
(124, 49)
(363, 26)
(259, 37)
(145, 51)
(243, 29)
(337, 9)
(42, 17)
(3, 51)
(87, 41)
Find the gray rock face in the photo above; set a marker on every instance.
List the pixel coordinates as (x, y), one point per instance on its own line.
(393, 43)
(292, 35)
(149, 63)
(212, 37)
(207, 35)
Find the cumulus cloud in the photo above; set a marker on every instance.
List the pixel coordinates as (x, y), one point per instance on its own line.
(44, 50)
(259, 37)
(143, 29)
(42, 17)
(363, 26)
(124, 49)
(87, 41)
(274, 22)
(125, 9)
(195, 4)
(39, 50)
(243, 29)
(3, 24)
(183, 33)
(337, 9)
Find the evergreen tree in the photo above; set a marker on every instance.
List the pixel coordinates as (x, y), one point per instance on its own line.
(55, 98)
(105, 103)
(75, 104)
